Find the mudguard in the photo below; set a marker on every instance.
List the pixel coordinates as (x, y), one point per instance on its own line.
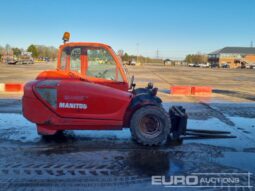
(145, 99)
(141, 99)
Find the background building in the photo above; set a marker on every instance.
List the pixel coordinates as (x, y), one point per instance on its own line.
(7, 55)
(232, 57)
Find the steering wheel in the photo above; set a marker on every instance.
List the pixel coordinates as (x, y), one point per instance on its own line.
(102, 75)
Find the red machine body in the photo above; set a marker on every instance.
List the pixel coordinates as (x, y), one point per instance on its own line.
(89, 90)
(64, 99)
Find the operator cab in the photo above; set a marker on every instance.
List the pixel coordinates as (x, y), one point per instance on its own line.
(94, 62)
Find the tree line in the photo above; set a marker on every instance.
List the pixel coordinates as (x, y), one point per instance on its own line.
(38, 51)
(41, 51)
(140, 59)
(196, 58)
(190, 58)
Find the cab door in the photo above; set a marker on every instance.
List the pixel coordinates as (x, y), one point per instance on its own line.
(96, 64)
(103, 68)
(100, 96)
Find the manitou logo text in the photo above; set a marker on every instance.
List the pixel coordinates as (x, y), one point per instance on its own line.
(73, 105)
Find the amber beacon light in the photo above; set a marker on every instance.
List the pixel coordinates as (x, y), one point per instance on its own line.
(66, 37)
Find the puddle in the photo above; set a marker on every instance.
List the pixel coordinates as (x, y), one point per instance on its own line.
(246, 125)
(239, 143)
(241, 160)
(149, 162)
(15, 127)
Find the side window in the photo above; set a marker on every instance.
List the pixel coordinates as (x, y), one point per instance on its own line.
(101, 65)
(119, 77)
(63, 60)
(75, 60)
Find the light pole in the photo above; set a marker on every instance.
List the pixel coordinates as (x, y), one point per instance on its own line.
(137, 47)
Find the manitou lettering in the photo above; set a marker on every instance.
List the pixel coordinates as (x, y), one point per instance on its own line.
(72, 105)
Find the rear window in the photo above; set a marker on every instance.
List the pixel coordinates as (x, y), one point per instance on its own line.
(63, 60)
(75, 58)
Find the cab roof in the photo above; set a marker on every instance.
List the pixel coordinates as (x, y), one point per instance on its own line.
(93, 44)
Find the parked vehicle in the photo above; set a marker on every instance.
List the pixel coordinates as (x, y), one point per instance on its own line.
(132, 63)
(193, 65)
(24, 58)
(214, 65)
(168, 62)
(204, 65)
(250, 66)
(225, 65)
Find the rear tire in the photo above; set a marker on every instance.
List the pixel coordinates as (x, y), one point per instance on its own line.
(150, 125)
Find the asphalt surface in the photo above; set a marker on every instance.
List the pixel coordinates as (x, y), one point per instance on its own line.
(110, 160)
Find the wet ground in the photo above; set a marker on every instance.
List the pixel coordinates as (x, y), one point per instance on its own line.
(110, 160)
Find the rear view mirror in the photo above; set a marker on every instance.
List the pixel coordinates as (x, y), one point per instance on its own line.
(132, 84)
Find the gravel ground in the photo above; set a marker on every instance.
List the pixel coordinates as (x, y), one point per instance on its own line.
(230, 85)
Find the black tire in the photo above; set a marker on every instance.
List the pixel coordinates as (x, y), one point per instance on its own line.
(150, 125)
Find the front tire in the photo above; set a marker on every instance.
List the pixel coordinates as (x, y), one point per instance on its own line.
(150, 125)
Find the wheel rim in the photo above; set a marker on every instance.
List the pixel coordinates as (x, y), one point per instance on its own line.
(150, 126)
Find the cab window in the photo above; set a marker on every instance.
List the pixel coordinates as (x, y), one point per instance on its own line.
(63, 61)
(75, 60)
(102, 65)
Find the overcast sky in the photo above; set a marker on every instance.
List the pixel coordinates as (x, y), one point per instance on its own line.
(174, 27)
